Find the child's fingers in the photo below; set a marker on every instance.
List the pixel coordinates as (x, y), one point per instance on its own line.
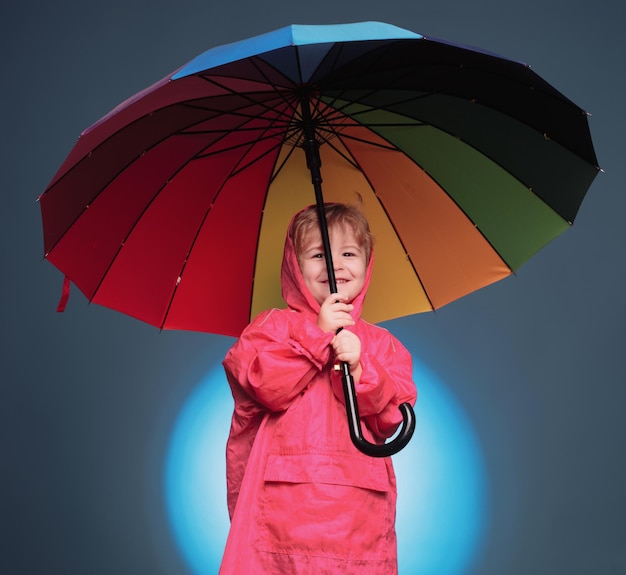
(347, 347)
(339, 307)
(346, 341)
(336, 298)
(334, 313)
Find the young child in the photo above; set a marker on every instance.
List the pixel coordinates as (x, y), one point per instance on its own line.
(302, 499)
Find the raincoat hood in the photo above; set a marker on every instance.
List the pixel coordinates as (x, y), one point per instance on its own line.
(295, 291)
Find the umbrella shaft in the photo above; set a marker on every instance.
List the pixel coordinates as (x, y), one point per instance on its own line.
(314, 162)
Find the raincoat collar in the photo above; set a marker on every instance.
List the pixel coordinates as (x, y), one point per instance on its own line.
(295, 292)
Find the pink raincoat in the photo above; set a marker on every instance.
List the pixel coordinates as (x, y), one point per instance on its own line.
(302, 499)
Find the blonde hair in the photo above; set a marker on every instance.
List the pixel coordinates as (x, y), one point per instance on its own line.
(336, 215)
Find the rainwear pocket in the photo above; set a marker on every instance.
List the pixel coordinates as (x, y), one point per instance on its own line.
(327, 506)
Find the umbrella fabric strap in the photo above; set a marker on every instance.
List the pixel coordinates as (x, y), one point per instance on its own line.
(65, 295)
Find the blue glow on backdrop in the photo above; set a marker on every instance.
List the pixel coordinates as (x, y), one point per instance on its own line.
(442, 495)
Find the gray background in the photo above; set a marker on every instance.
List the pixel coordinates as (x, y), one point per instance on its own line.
(88, 397)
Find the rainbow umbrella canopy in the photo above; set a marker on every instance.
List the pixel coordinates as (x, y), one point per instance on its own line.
(173, 208)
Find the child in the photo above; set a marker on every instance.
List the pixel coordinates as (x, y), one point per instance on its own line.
(302, 499)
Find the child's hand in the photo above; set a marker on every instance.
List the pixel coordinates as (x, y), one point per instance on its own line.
(334, 313)
(347, 346)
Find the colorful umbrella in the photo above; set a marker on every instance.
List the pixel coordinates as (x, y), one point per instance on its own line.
(173, 207)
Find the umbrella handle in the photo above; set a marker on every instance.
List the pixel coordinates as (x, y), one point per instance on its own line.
(354, 422)
(313, 160)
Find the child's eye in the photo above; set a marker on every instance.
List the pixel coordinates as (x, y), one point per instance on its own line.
(317, 256)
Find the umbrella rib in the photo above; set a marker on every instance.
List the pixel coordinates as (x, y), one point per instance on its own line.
(282, 164)
(254, 160)
(349, 158)
(343, 137)
(339, 111)
(156, 143)
(252, 141)
(328, 120)
(246, 116)
(289, 98)
(197, 155)
(400, 76)
(235, 170)
(327, 58)
(282, 94)
(299, 65)
(261, 138)
(291, 102)
(147, 206)
(269, 129)
(225, 131)
(423, 123)
(398, 236)
(364, 98)
(179, 131)
(272, 174)
(470, 219)
(336, 112)
(188, 254)
(328, 125)
(526, 83)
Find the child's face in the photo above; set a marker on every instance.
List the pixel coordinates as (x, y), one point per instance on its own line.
(348, 260)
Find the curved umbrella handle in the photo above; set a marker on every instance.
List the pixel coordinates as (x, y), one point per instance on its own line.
(313, 160)
(354, 422)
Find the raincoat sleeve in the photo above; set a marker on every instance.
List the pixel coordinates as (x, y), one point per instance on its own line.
(386, 382)
(277, 356)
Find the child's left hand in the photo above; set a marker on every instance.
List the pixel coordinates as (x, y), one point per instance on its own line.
(347, 347)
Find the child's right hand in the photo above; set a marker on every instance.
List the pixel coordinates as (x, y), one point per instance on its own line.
(335, 313)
